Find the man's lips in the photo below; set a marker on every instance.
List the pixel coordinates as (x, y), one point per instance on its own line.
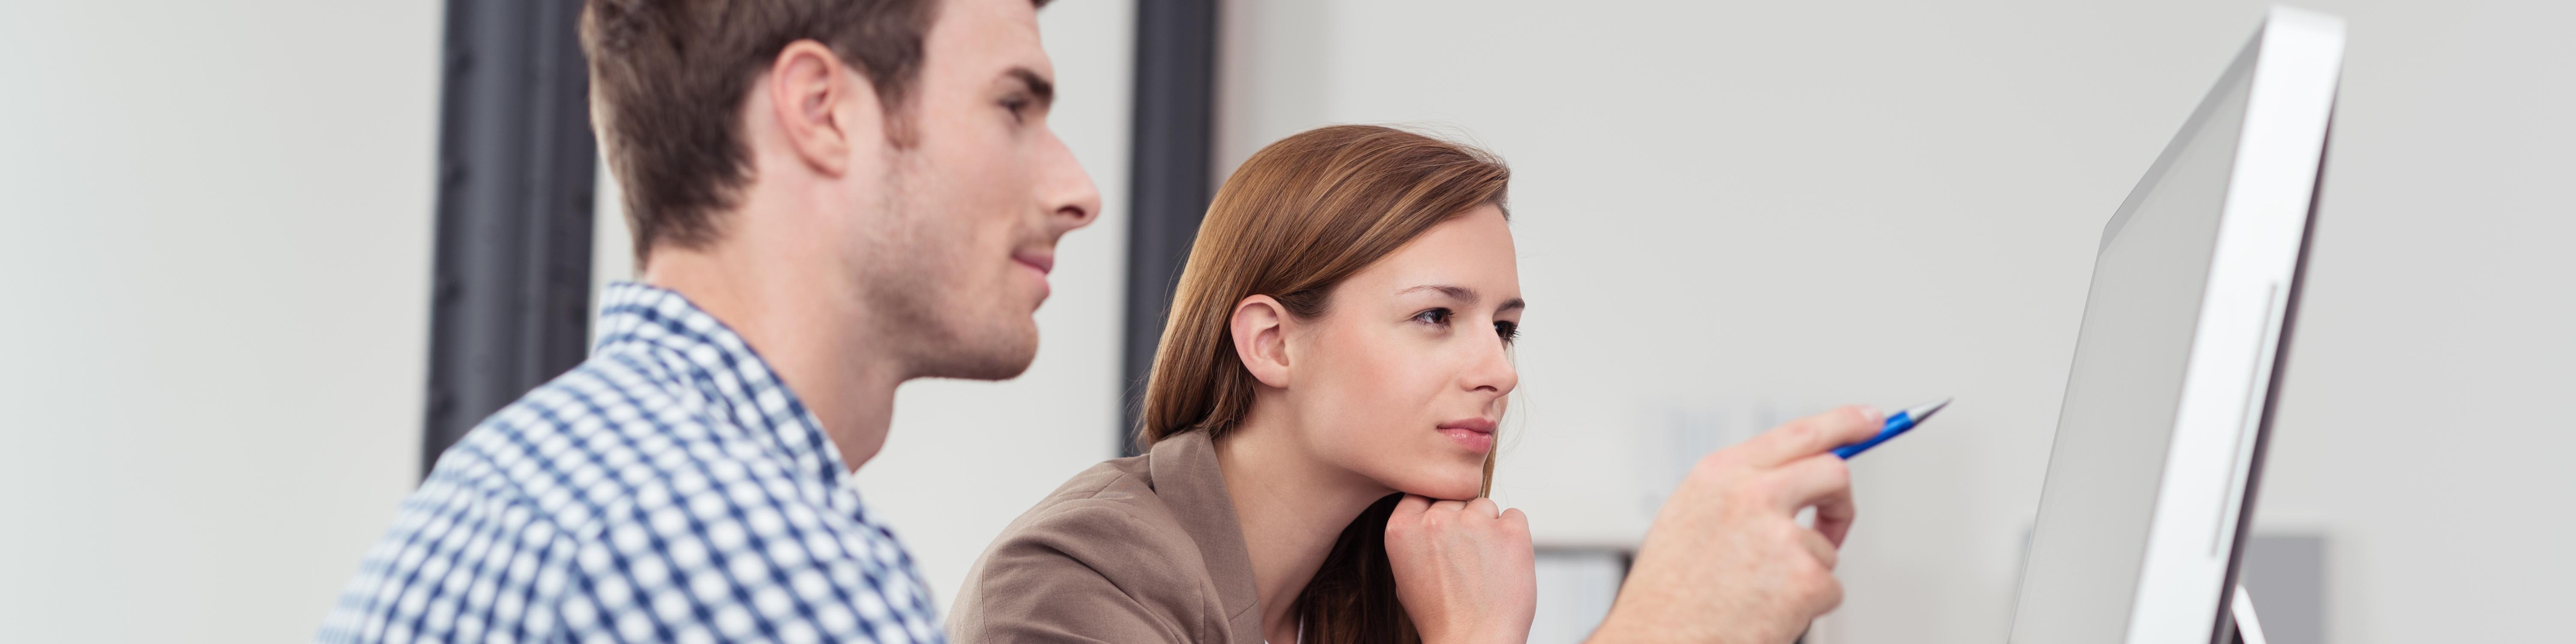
(1044, 263)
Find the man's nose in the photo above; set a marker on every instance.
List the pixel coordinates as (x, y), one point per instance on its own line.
(1070, 199)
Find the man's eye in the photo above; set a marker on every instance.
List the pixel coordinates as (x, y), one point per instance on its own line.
(1508, 330)
(1438, 317)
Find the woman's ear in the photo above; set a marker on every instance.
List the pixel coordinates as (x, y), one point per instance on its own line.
(1261, 338)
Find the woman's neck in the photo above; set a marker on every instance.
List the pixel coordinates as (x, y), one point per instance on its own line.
(1291, 507)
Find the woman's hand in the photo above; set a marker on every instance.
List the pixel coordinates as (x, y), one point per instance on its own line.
(1463, 569)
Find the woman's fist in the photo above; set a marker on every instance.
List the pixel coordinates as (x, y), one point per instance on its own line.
(1463, 569)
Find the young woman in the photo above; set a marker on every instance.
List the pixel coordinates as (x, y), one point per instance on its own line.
(1321, 421)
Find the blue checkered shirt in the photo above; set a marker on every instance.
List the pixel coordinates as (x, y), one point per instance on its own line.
(668, 489)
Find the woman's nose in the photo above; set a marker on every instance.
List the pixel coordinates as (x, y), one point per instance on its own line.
(1493, 370)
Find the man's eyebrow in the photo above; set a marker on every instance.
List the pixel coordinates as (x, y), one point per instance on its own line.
(1041, 89)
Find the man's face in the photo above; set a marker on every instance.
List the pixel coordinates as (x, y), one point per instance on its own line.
(976, 202)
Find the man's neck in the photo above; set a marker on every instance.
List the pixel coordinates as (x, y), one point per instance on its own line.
(812, 337)
(1291, 507)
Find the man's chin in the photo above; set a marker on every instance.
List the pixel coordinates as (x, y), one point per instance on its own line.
(1001, 356)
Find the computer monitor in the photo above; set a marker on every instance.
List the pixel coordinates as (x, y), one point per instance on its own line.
(2161, 436)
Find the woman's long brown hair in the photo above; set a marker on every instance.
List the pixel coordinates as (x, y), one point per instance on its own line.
(1298, 218)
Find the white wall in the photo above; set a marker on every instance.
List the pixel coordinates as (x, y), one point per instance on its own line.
(1724, 208)
(966, 457)
(215, 264)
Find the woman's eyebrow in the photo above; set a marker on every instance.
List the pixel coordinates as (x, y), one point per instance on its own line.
(1461, 293)
(1467, 295)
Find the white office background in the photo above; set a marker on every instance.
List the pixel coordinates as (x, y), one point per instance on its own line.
(218, 235)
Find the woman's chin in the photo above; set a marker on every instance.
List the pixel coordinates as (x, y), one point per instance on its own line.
(1447, 489)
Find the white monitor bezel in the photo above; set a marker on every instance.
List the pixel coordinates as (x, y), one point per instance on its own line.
(2224, 409)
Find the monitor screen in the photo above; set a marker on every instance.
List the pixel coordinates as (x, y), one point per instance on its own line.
(2122, 397)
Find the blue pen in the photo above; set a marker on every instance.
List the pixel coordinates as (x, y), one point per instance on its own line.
(1897, 424)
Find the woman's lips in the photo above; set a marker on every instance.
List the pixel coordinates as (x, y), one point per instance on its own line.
(1475, 434)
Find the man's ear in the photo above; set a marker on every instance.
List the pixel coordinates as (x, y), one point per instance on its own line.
(1260, 328)
(823, 110)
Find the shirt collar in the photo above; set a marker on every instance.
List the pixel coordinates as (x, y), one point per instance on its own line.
(702, 354)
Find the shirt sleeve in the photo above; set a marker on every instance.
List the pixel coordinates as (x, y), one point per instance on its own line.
(738, 562)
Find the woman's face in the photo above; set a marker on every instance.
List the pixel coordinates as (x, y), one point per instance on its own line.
(1403, 378)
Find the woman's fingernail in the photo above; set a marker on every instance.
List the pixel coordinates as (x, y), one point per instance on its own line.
(1871, 413)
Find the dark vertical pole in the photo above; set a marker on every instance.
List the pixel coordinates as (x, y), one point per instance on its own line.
(1174, 134)
(510, 304)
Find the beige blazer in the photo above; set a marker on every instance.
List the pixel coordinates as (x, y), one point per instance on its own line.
(1137, 549)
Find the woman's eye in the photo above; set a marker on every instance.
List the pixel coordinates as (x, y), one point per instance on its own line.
(1508, 330)
(1439, 317)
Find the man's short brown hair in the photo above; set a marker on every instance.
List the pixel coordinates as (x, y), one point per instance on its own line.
(669, 78)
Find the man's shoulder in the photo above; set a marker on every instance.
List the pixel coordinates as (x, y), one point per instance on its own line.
(609, 492)
(583, 447)
(487, 545)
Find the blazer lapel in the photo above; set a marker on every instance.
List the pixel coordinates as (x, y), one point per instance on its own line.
(1186, 478)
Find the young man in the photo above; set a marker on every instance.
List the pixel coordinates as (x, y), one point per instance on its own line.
(842, 195)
